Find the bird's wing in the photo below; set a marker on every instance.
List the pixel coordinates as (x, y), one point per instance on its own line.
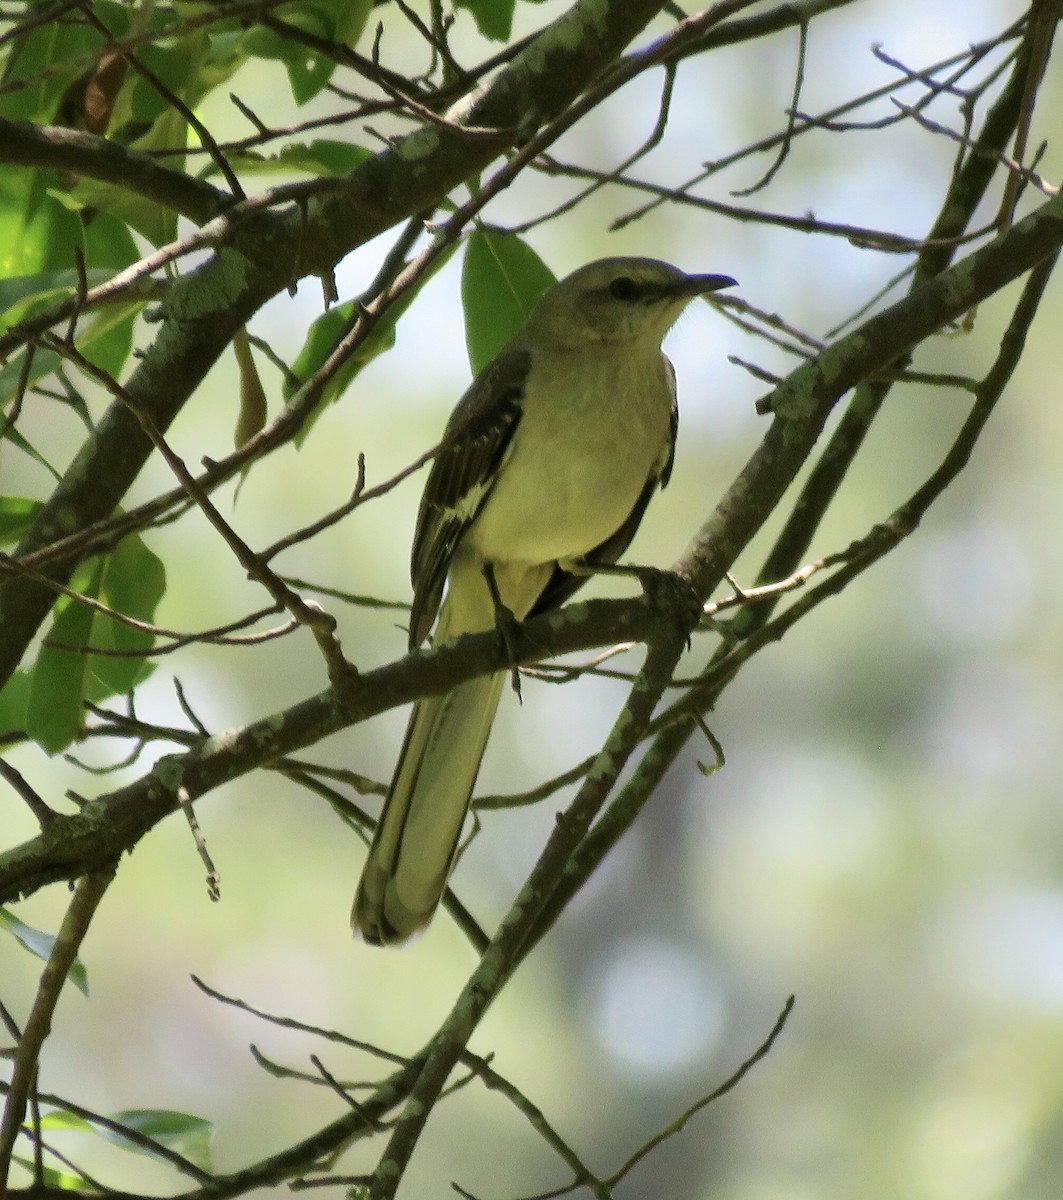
(474, 446)
(563, 584)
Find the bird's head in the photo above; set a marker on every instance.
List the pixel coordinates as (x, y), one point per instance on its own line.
(618, 300)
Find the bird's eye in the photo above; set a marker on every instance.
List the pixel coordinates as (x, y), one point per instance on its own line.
(623, 288)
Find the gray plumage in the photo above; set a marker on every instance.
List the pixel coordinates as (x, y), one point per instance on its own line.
(547, 463)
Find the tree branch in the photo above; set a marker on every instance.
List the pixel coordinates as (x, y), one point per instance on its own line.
(266, 252)
(72, 845)
(75, 925)
(24, 144)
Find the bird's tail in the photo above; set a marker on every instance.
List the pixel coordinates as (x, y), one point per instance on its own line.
(406, 872)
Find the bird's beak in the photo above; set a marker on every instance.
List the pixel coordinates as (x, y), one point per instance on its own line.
(702, 285)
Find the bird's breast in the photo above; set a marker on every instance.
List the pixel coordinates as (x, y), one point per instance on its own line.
(595, 428)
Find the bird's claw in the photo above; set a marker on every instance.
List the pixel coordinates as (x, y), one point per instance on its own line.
(507, 628)
(672, 595)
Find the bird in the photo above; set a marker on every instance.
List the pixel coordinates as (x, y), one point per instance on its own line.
(544, 472)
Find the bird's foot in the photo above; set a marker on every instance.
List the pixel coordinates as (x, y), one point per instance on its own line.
(507, 628)
(672, 595)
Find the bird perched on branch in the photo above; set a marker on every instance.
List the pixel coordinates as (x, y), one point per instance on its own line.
(544, 473)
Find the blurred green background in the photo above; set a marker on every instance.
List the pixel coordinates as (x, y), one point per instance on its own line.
(886, 841)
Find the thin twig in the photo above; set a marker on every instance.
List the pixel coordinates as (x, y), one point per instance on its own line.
(173, 100)
(133, 1136)
(1024, 174)
(728, 1085)
(322, 523)
(583, 1176)
(827, 120)
(45, 815)
(791, 121)
(320, 623)
(511, 940)
(83, 904)
(184, 801)
(545, 163)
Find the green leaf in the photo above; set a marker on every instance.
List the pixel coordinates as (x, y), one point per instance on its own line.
(177, 64)
(131, 580)
(325, 334)
(109, 244)
(46, 61)
(12, 434)
(328, 330)
(308, 74)
(17, 514)
(41, 944)
(108, 338)
(56, 1179)
(259, 42)
(339, 21)
(14, 697)
(308, 71)
(253, 407)
(186, 1134)
(23, 296)
(105, 338)
(53, 712)
(494, 18)
(133, 584)
(321, 157)
(145, 119)
(501, 280)
(147, 217)
(350, 18)
(183, 1133)
(37, 233)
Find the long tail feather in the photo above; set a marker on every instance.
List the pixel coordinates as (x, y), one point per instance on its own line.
(418, 832)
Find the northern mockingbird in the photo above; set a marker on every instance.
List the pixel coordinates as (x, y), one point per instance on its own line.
(545, 470)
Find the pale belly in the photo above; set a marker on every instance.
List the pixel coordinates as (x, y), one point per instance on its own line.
(577, 468)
